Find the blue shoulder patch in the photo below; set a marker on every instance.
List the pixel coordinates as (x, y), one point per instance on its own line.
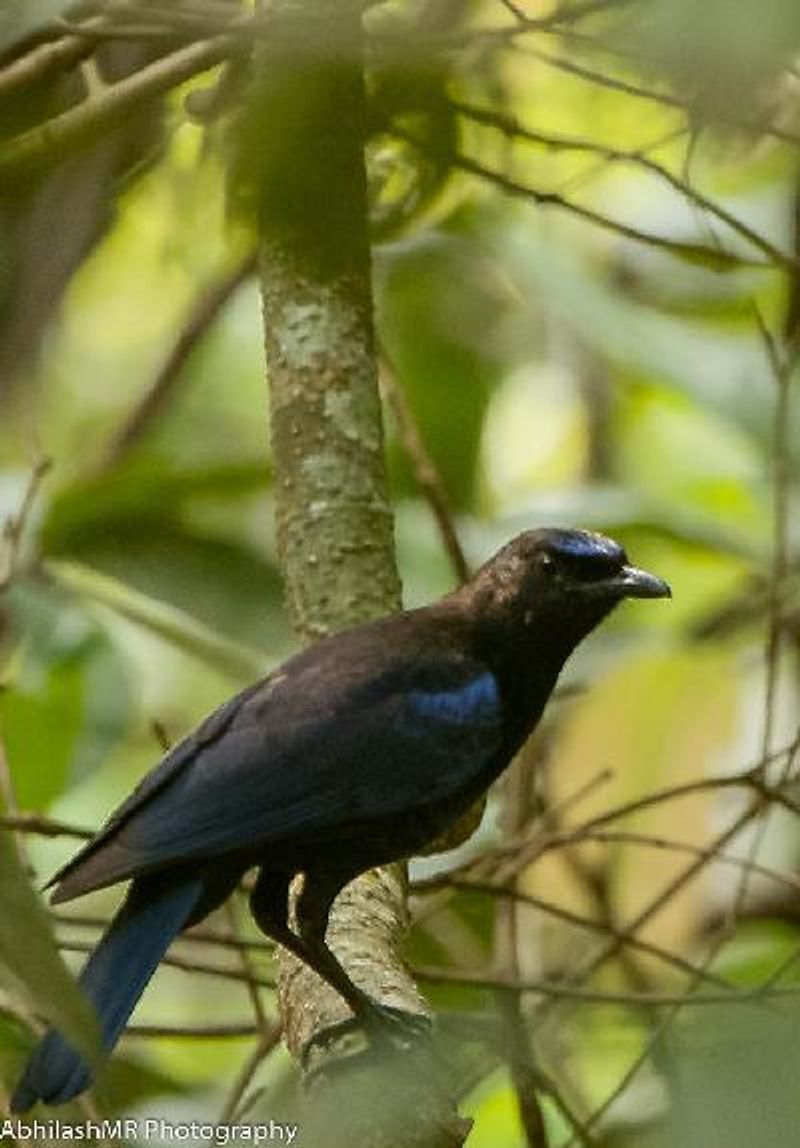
(477, 702)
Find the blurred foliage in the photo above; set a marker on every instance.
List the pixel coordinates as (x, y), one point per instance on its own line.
(558, 372)
(721, 55)
(30, 959)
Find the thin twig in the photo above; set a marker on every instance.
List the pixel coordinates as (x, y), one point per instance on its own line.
(603, 79)
(777, 975)
(656, 841)
(780, 366)
(198, 934)
(666, 895)
(267, 1041)
(192, 1032)
(557, 991)
(690, 994)
(184, 965)
(510, 127)
(425, 471)
(572, 918)
(689, 997)
(681, 248)
(622, 1084)
(499, 862)
(43, 826)
(517, 1042)
(529, 846)
(268, 1032)
(561, 15)
(750, 779)
(14, 527)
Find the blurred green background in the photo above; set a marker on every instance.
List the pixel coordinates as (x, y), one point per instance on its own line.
(559, 373)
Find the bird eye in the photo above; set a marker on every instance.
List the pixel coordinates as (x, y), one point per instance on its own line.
(546, 563)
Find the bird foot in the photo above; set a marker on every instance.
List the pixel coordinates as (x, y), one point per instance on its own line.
(388, 1030)
(396, 1027)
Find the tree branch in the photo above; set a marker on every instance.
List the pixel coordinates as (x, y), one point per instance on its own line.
(49, 143)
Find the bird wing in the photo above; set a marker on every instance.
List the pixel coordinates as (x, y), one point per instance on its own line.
(178, 758)
(328, 742)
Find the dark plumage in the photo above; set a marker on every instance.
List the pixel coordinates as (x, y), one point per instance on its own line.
(357, 751)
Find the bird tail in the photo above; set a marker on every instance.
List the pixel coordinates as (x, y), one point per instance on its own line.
(113, 979)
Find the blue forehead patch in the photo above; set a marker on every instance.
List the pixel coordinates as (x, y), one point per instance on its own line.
(583, 544)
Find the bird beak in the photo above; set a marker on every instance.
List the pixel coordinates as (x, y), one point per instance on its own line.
(631, 582)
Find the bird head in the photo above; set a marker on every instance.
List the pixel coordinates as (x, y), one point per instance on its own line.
(557, 585)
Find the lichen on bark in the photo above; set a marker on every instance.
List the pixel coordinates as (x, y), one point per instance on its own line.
(334, 519)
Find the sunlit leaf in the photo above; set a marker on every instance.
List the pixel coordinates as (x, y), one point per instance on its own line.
(40, 762)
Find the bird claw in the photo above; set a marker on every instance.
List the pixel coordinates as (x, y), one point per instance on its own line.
(384, 1024)
(386, 1029)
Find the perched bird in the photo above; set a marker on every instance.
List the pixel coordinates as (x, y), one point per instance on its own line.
(357, 751)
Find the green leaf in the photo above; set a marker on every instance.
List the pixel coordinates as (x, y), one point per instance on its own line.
(182, 536)
(494, 1108)
(29, 957)
(173, 625)
(146, 492)
(67, 676)
(40, 760)
(222, 582)
(574, 289)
